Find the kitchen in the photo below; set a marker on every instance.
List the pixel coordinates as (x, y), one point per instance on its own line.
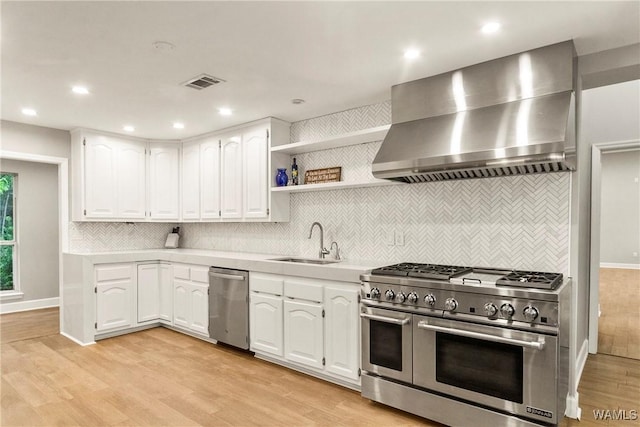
(522, 222)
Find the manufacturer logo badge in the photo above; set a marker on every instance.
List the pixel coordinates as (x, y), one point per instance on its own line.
(539, 412)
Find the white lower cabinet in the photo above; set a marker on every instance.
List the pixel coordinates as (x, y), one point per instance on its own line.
(303, 333)
(115, 297)
(309, 323)
(191, 298)
(155, 296)
(342, 331)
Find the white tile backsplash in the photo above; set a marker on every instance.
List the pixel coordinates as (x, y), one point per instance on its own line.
(517, 222)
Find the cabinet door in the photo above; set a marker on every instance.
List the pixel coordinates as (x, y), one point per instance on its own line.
(131, 179)
(303, 333)
(231, 177)
(265, 322)
(191, 181)
(342, 323)
(199, 319)
(166, 293)
(114, 301)
(164, 181)
(181, 303)
(100, 177)
(210, 178)
(256, 180)
(148, 292)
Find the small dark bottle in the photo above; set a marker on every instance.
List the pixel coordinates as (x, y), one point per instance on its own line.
(294, 172)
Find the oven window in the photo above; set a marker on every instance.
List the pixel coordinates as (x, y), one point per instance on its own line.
(485, 367)
(385, 348)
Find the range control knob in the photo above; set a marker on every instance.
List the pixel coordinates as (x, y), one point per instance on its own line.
(530, 313)
(490, 309)
(413, 298)
(507, 310)
(375, 293)
(389, 295)
(450, 304)
(430, 300)
(401, 297)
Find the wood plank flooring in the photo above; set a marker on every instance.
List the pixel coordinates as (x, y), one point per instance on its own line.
(619, 323)
(160, 377)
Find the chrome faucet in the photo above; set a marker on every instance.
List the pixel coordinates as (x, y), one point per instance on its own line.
(323, 250)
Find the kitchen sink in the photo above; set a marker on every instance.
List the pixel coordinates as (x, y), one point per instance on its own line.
(306, 260)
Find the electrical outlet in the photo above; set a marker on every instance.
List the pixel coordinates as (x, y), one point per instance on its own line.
(635, 254)
(399, 238)
(390, 238)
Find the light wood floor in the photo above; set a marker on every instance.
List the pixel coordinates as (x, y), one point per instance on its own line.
(619, 323)
(161, 377)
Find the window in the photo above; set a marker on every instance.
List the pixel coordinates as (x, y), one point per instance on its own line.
(8, 253)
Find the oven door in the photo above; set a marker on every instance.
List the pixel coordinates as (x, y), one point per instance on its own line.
(513, 371)
(387, 343)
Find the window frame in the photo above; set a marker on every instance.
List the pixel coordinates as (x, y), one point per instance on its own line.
(14, 293)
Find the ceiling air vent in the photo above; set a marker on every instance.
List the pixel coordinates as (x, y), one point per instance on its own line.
(202, 81)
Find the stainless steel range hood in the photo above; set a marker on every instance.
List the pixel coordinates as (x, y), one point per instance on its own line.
(513, 115)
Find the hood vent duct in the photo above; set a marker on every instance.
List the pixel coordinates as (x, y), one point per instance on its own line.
(510, 116)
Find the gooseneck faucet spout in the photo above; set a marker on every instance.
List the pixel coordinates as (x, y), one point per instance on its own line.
(323, 250)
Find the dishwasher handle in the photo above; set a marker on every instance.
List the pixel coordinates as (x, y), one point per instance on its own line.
(227, 276)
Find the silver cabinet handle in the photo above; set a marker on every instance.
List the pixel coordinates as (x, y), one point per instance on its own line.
(401, 322)
(537, 345)
(226, 276)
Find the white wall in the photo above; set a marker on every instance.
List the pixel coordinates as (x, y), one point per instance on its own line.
(620, 208)
(25, 138)
(37, 227)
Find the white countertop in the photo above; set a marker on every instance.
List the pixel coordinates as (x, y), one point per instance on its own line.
(345, 270)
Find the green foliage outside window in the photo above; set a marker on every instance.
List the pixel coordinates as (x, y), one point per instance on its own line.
(6, 231)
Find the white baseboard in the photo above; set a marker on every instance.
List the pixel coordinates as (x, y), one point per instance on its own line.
(620, 265)
(77, 341)
(13, 307)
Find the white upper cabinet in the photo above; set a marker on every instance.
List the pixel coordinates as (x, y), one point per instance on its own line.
(164, 180)
(111, 175)
(255, 150)
(100, 154)
(224, 176)
(191, 180)
(231, 176)
(210, 178)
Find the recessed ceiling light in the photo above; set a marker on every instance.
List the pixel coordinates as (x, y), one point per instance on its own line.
(225, 111)
(128, 128)
(29, 112)
(411, 53)
(80, 90)
(491, 27)
(178, 125)
(297, 101)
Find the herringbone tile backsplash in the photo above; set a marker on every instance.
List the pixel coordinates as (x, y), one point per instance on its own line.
(515, 222)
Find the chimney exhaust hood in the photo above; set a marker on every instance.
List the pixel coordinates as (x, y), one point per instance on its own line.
(513, 115)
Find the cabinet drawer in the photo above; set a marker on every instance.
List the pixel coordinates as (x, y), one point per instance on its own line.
(302, 289)
(200, 274)
(181, 272)
(106, 273)
(265, 283)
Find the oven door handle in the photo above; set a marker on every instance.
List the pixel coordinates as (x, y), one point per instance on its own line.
(400, 322)
(536, 345)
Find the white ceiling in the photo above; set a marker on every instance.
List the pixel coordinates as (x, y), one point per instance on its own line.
(335, 55)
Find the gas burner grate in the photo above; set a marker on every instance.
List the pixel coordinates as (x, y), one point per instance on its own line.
(531, 279)
(422, 271)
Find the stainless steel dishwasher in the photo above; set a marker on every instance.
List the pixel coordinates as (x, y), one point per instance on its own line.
(229, 306)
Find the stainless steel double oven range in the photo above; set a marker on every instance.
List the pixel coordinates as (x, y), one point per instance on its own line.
(466, 346)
